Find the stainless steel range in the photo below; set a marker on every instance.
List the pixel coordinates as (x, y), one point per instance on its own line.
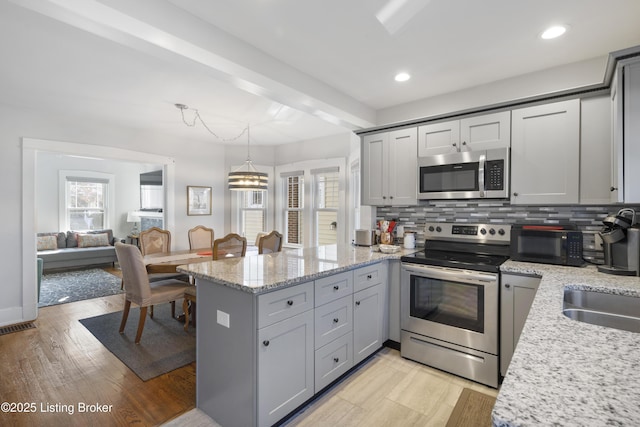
(449, 299)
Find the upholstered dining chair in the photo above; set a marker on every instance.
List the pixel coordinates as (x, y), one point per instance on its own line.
(140, 291)
(231, 245)
(201, 237)
(154, 240)
(272, 242)
(259, 236)
(189, 300)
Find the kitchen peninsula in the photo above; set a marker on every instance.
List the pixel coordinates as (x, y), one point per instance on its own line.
(276, 329)
(566, 372)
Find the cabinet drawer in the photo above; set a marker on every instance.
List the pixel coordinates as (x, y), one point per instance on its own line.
(279, 305)
(333, 287)
(368, 276)
(333, 320)
(333, 360)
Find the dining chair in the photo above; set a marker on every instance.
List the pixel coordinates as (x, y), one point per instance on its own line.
(201, 237)
(189, 306)
(259, 236)
(272, 242)
(231, 245)
(140, 291)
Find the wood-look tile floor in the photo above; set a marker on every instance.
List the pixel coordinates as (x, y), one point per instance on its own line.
(387, 391)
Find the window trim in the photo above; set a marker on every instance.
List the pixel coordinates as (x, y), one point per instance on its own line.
(64, 175)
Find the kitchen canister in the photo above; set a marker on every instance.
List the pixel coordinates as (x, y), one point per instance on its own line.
(409, 240)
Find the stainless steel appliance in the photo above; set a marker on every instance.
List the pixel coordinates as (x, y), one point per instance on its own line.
(365, 237)
(466, 175)
(547, 244)
(621, 241)
(449, 299)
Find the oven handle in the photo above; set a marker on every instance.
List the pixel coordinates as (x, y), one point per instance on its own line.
(455, 275)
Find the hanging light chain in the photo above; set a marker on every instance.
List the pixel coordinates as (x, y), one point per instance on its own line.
(196, 117)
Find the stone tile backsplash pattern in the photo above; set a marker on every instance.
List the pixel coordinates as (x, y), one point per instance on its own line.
(587, 218)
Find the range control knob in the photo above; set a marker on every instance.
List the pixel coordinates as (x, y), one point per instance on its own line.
(431, 228)
(492, 231)
(483, 231)
(501, 232)
(438, 229)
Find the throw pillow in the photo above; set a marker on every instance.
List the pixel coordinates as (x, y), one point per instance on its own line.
(72, 239)
(47, 243)
(92, 240)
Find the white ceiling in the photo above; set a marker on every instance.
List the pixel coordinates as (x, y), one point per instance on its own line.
(294, 69)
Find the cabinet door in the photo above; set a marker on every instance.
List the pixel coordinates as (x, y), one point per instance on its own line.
(367, 322)
(486, 132)
(374, 169)
(403, 165)
(285, 367)
(439, 138)
(545, 153)
(631, 135)
(595, 150)
(516, 296)
(617, 148)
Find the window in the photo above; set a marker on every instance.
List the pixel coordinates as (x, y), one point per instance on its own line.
(294, 208)
(86, 203)
(325, 210)
(252, 213)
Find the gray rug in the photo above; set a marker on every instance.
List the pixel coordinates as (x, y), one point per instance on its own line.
(164, 345)
(77, 285)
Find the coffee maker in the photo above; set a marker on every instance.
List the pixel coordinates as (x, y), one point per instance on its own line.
(621, 242)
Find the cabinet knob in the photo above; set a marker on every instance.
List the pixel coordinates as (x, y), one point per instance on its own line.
(266, 343)
(368, 277)
(336, 320)
(357, 302)
(464, 142)
(391, 197)
(506, 285)
(515, 194)
(335, 359)
(289, 302)
(336, 287)
(454, 144)
(613, 188)
(384, 197)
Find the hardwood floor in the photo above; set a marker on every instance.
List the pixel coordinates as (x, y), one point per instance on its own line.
(60, 365)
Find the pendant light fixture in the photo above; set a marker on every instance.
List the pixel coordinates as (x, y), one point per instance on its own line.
(246, 177)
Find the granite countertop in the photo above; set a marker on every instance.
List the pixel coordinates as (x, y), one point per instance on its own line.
(261, 273)
(565, 372)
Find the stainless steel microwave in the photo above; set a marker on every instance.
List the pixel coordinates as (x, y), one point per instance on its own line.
(466, 175)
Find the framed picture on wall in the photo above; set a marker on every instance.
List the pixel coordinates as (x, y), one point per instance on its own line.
(198, 200)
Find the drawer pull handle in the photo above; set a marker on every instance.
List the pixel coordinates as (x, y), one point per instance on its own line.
(336, 287)
(335, 359)
(266, 343)
(336, 320)
(357, 302)
(289, 302)
(369, 277)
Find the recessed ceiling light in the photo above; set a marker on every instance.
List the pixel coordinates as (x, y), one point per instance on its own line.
(402, 77)
(553, 32)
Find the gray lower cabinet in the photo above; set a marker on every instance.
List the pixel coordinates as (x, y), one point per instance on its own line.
(367, 321)
(285, 367)
(516, 296)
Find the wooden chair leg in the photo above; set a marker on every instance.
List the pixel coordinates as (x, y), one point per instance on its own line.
(150, 312)
(121, 284)
(173, 309)
(185, 309)
(143, 317)
(125, 315)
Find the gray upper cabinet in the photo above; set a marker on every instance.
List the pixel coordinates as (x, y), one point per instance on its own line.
(626, 133)
(545, 154)
(389, 168)
(595, 150)
(472, 133)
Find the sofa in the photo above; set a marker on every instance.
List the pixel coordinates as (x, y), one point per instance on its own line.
(73, 249)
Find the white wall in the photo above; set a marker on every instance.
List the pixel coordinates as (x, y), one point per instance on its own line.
(195, 164)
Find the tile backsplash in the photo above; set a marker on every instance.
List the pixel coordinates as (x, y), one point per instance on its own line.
(588, 219)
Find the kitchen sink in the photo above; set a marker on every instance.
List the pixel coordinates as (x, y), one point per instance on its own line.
(598, 308)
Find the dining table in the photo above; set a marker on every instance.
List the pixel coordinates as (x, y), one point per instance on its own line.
(167, 262)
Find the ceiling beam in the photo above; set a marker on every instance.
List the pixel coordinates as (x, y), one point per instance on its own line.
(159, 28)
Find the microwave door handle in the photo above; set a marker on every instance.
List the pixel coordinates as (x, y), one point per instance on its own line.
(481, 166)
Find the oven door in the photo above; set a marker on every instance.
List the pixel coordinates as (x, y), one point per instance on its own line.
(452, 305)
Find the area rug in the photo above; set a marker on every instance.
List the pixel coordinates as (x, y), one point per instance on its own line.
(473, 409)
(164, 345)
(77, 285)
